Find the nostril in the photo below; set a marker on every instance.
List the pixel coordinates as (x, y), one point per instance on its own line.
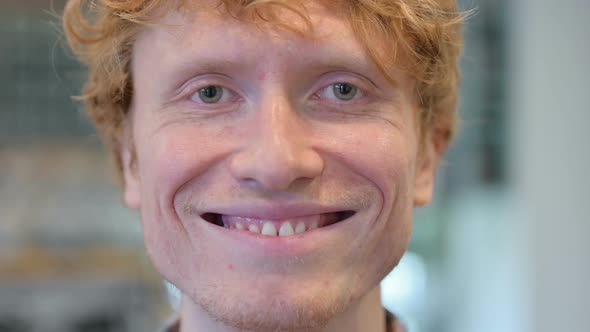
(213, 218)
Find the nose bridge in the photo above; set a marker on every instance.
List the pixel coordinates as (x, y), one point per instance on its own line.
(278, 150)
(280, 130)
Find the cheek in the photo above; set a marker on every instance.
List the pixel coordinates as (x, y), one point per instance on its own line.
(173, 157)
(381, 153)
(167, 161)
(384, 156)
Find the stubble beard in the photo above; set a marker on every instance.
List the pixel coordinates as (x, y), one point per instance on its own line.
(266, 313)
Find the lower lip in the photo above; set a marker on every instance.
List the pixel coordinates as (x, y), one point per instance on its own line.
(292, 245)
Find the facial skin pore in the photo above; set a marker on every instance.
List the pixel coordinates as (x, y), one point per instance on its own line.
(278, 144)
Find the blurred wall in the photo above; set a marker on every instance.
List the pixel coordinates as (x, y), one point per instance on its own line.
(71, 255)
(550, 158)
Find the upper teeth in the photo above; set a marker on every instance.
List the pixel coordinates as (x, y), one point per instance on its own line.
(254, 228)
(300, 228)
(270, 229)
(285, 227)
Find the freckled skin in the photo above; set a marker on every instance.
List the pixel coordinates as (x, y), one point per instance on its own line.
(280, 136)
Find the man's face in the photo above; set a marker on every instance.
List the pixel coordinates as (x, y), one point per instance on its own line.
(256, 128)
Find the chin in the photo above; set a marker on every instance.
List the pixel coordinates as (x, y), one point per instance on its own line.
(274, 308)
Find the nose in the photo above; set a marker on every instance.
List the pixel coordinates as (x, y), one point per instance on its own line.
(276, 151)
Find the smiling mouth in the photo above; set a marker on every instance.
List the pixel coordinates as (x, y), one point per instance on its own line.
(284, 227)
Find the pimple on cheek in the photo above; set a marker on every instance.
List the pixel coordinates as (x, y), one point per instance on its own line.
(260, 76)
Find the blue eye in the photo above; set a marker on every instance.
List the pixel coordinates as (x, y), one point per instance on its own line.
(341, 91)
(344, 91)
(212, 94)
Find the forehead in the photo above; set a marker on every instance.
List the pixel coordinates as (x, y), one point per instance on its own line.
(275, 21)
(207, 33)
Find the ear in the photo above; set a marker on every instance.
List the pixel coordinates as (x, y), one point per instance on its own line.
(131, 182)
(427, 161)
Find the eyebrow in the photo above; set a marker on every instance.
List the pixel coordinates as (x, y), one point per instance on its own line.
(228, 63)
(195, 65)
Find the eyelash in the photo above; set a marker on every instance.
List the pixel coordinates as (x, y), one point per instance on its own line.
(235, 97)
(227, 95)
(330, 89)
(191, 96)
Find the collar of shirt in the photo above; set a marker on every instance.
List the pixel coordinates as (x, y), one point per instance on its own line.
(392, 324)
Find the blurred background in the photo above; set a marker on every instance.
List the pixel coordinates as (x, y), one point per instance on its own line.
(504, 246)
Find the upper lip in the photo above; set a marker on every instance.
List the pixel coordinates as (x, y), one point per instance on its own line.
(275, 211)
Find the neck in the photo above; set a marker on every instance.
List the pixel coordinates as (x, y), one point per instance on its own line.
(365, 315)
